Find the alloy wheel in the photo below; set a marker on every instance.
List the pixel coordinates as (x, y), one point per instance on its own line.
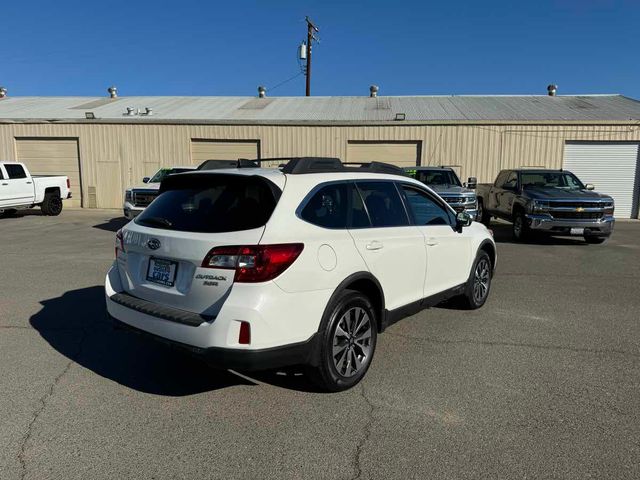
(352, 342)
(481, 279)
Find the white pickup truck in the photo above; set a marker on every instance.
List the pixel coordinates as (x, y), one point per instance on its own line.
(19, 189)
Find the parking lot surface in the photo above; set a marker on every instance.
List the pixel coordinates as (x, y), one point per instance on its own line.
(542, 382)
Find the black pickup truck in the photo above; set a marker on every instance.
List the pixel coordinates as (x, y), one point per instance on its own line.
(554, 202)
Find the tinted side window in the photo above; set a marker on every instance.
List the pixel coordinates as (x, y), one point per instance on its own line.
(15, 171)
(424, 209)
(502, 176)
(1, 176)
(512, 181)
(328, 206)
(383, 204)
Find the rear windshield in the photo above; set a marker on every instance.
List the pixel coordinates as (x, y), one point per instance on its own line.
(164, 172)
(211, 203)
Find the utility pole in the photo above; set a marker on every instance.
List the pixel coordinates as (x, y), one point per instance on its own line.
(311, 29)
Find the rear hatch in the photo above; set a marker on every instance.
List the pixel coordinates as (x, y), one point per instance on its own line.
(164, 248)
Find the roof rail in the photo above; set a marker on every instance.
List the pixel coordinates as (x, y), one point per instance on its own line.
(296, 166)
(239, 163)
(377, 167)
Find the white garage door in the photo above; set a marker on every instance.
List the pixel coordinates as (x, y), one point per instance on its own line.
(202, 150)
(53, 156)
(611, 167)
(403, 154)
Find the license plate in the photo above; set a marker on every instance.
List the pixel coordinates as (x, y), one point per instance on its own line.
(577, 231)
(162, 272)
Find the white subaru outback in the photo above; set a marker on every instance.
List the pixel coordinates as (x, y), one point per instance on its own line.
(258, 268)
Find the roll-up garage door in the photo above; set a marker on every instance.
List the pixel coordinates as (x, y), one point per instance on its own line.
(403, 154)
(53, 156)
(613, 169)
(202, 150)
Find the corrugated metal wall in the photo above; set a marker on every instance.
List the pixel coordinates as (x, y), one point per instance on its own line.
(113, 157)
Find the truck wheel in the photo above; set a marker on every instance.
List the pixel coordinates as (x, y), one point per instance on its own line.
(595, 240)
(51, 205)
(520, 228)
(483, 216)
(348, 335)
(476, 291)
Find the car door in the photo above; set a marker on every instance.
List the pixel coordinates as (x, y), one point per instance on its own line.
(391, 247)
(16, 187)
(507, 195)
(448, 251)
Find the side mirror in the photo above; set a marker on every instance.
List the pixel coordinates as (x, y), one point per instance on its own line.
(472, 183)
(463, 219)
(590, 186)
(145, 180)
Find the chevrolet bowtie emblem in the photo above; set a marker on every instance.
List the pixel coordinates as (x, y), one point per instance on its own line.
(579, 209)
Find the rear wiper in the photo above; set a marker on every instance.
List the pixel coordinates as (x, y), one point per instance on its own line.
(159, 221)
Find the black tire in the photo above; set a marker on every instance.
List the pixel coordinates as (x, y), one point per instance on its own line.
(595, 240)
(9, 212)
(338, 369)
(521, 230)
(51, 205)
(483, 216)
(478, 285)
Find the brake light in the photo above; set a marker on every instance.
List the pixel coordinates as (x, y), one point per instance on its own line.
(254, 263)
(119, 242)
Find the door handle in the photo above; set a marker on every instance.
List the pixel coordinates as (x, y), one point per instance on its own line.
(375, 245)
(432, 242)
(5, 184)
(29, 183)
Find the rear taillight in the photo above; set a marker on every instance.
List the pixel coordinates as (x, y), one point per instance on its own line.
(119, 242)
(254, 263)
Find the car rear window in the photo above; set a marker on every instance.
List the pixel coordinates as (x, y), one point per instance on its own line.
(211, 203)
(383, 204)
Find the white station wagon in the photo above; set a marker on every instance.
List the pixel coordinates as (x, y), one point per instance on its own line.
(258, 268)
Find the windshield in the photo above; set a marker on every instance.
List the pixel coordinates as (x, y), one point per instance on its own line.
(163, 172)
(436, 177)
(563, 180)
(211, 203)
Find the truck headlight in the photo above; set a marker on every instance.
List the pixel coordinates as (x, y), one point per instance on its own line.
(539, 206)
(608, 208)
(128, 196)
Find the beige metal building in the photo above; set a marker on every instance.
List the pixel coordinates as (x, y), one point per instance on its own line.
(107, 144)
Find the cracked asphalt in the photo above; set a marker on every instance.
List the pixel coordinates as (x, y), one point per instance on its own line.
(543, 382)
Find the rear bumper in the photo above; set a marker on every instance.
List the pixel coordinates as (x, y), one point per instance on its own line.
(303, 353)
(545, 224)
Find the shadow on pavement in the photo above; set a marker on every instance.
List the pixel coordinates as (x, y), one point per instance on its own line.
(502, 233)
(112, 225)
(76, 325)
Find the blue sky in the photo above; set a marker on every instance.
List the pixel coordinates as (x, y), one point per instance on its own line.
(406, 47)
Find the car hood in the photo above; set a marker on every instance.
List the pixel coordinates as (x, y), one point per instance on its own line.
(147, 186)
(551, 193)
(450, 190)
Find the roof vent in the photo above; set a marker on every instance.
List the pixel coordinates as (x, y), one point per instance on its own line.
(148, 111)
(373, 91)
(113, 91)
(552, 89)
(3, 92)
(262, 92)
(130, 111)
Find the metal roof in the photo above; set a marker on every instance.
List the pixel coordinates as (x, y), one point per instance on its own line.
(301, 110)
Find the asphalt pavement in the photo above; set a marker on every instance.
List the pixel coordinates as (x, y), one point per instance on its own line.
(542, 382)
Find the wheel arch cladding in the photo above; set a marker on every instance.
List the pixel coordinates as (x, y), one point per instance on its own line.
(488, 247)
(367, 284)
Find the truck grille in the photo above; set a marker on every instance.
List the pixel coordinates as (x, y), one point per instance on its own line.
(560, 204)
(143, 199)
(577, 215)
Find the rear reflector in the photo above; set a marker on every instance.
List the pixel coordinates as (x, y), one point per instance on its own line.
(244, 337)
(254, 263)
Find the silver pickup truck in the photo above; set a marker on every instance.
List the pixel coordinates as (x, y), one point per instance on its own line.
(445, 182)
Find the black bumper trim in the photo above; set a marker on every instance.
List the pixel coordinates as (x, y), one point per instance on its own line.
(155, 310)
(303, 353)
